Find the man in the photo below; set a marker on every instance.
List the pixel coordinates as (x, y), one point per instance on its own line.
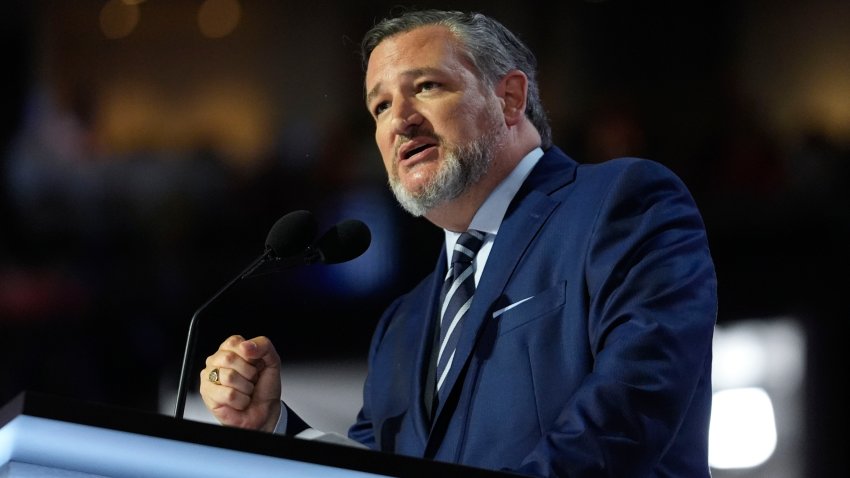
(586, 347)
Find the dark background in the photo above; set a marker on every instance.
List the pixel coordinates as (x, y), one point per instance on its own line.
(140, 173)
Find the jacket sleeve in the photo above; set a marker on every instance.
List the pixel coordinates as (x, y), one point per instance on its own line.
(363, 429)
(652, 306)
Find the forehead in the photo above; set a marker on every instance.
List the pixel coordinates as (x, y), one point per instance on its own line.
(427, 47)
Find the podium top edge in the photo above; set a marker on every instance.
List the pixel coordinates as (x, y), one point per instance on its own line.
(77, 411)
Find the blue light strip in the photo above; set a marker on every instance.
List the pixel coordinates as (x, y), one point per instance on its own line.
(87, 449)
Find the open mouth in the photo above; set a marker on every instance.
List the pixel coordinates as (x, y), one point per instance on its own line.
(413, 151)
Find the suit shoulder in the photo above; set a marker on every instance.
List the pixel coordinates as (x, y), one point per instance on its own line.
(628, 164)
(630, 170)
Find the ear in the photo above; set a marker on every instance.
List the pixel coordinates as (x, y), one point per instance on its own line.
(513, 91)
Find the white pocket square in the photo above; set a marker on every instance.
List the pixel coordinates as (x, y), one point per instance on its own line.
(505, 309)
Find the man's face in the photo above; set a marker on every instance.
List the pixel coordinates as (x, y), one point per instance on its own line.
(436, 123)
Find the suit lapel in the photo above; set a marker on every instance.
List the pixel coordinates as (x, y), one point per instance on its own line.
(523, 220)
(430, 297)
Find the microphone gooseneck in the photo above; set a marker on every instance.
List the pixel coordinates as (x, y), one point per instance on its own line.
(291, 234)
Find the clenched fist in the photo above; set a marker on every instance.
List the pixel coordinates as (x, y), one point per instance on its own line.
(247, 393)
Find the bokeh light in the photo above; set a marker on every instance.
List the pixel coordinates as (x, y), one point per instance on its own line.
(118, 18)
(218, 18)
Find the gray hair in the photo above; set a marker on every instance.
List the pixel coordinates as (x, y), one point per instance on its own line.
(493, 49)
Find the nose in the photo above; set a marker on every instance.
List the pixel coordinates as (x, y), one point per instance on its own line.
(405, 117)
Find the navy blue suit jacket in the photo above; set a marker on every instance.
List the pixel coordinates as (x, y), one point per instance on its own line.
(603, 371)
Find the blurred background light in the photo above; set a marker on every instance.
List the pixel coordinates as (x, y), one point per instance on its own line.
(218, 18)
(743, 428)
(118, 18)
(757, 411)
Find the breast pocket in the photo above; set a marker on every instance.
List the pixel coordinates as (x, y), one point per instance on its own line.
(517, 313)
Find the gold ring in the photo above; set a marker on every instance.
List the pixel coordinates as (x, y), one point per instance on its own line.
(214, 377)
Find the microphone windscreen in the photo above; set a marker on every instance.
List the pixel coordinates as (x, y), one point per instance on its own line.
(292, 233)
(344, 241)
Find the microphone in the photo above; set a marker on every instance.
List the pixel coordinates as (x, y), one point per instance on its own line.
(290, 235)
(343, 242)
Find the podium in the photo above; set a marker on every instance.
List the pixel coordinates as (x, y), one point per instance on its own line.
(49, 436)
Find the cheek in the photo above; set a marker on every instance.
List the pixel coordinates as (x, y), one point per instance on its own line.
(385, 147)
(464, 120)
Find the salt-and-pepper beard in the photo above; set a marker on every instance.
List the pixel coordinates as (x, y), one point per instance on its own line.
(462, 166)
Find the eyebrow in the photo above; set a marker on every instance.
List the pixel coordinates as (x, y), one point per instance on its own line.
(413, 73)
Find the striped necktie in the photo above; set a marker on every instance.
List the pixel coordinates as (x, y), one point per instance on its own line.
(456, 299)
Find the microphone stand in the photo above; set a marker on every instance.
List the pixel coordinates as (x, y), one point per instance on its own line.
(317, 253)
(192, 337)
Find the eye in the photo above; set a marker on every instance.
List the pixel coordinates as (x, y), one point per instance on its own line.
(428, 85)
(380, 108)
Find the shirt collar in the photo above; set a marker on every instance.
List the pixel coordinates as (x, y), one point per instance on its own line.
(489, 216)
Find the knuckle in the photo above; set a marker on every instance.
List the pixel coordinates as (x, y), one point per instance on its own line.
(236, 399)
(229, 357)
(233, 340)
(226, 375)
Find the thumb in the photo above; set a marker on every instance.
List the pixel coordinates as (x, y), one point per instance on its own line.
(261, 350)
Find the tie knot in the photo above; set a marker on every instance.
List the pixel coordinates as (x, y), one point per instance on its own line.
(467, 246)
